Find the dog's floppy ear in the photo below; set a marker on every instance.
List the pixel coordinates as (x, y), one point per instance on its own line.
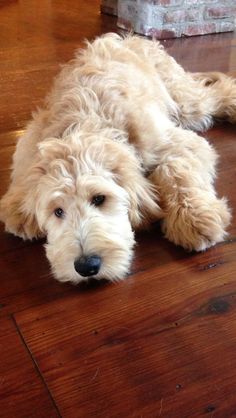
(17, 207)
(143, 197)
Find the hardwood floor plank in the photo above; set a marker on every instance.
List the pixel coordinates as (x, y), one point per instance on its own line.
(32, 46)
(22, 392)
(25, 276)
(205, 53)
(120, 349)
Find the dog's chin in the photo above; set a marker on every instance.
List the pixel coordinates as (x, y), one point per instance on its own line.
(107, 273)
(114, 268)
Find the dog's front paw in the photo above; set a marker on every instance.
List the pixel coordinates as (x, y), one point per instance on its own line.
(198, 224)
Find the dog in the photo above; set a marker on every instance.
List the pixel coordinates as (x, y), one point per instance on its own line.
(113, 150)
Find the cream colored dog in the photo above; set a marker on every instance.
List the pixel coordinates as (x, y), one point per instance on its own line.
(114, 150)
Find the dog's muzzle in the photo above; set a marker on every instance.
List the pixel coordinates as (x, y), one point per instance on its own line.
(88, 266)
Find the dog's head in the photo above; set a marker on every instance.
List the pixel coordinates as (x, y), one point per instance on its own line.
(87, 194)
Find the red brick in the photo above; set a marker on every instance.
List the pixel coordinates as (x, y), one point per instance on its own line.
(179, 16)
(220, 12)
(200, 29)
(162, 33)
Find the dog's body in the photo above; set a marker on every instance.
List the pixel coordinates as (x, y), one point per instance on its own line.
(112, 151)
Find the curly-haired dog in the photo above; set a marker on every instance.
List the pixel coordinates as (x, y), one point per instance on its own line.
(114, 150)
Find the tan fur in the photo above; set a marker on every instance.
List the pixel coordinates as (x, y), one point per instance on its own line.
(119, 122)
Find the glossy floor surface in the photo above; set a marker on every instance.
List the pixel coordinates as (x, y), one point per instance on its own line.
(161, 343)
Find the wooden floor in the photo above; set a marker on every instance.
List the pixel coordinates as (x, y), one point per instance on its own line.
(160, 344)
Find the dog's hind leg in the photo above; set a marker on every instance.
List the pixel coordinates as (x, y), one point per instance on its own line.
(203, 97)
(200, 97)
(195, 217)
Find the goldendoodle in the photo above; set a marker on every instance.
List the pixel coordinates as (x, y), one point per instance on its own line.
(114, 150)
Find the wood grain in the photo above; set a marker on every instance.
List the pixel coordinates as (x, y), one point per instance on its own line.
(159, 344)
(22, 389)
(159, 337)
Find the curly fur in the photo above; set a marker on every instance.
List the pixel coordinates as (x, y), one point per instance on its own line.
(119, 122)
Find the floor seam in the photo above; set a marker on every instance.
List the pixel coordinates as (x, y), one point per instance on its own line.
(35, 365)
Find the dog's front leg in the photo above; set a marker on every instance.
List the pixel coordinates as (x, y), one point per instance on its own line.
(195, 218)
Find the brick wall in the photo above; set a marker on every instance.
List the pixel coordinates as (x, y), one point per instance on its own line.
(173, 18)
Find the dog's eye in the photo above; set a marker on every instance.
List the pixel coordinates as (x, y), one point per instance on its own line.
(59, 212)
(98, 200)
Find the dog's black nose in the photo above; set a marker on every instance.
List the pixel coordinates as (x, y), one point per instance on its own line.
(88, 266)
